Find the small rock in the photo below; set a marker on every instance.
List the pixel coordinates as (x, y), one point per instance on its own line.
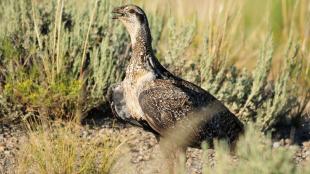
(307, 153)
(2, 147)
(306, 144)
(282, 142)
(7, 152)
(85, 134)
(288, 141)
(276, 144)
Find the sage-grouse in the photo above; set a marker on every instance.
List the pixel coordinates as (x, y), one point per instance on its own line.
(152, 96)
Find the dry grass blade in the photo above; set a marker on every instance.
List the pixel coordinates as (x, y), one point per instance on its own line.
(59, 147)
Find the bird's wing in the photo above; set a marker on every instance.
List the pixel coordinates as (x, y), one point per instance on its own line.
(164, 103)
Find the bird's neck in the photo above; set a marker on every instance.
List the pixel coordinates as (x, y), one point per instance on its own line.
(143, 59)
(141, 41)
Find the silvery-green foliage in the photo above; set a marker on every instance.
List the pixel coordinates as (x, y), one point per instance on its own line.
(65, 54)
(179, 39)
(51, 43)
(255, 155)
(250, 95)
(235, 88)
(260, 76)
(213, 67)
(282, 102)
(156, 23)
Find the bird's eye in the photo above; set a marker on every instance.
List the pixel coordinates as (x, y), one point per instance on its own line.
(131, 11)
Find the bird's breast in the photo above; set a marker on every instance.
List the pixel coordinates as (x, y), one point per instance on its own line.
(134, 83)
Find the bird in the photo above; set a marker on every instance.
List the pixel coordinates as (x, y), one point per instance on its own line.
(150, 96)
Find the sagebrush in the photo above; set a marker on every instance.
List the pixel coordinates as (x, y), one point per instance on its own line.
(59, 57)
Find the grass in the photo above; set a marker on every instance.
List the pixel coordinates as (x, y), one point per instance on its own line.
(48, 57)
(60, 147)
(58, 58)
(254, 154)
(61, 65)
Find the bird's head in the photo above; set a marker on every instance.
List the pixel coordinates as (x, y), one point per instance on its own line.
(133, 17)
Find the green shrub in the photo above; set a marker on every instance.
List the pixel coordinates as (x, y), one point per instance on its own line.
(59, 53)
(254, 154)
(61, 56)
(251, 95)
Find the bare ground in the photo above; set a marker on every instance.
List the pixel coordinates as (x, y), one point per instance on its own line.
(141, 154)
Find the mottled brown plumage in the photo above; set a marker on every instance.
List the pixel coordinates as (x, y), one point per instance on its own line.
(152, 96)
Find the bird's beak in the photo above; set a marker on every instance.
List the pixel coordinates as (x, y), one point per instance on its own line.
(117, 13)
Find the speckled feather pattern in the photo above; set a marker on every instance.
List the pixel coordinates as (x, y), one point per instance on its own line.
(154, 95)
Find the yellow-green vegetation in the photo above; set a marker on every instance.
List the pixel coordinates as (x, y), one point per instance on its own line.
(58, 58)
(59, 147)
(254, 154)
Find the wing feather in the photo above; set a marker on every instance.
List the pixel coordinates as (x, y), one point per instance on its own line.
(164, 103)
(167, 103)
